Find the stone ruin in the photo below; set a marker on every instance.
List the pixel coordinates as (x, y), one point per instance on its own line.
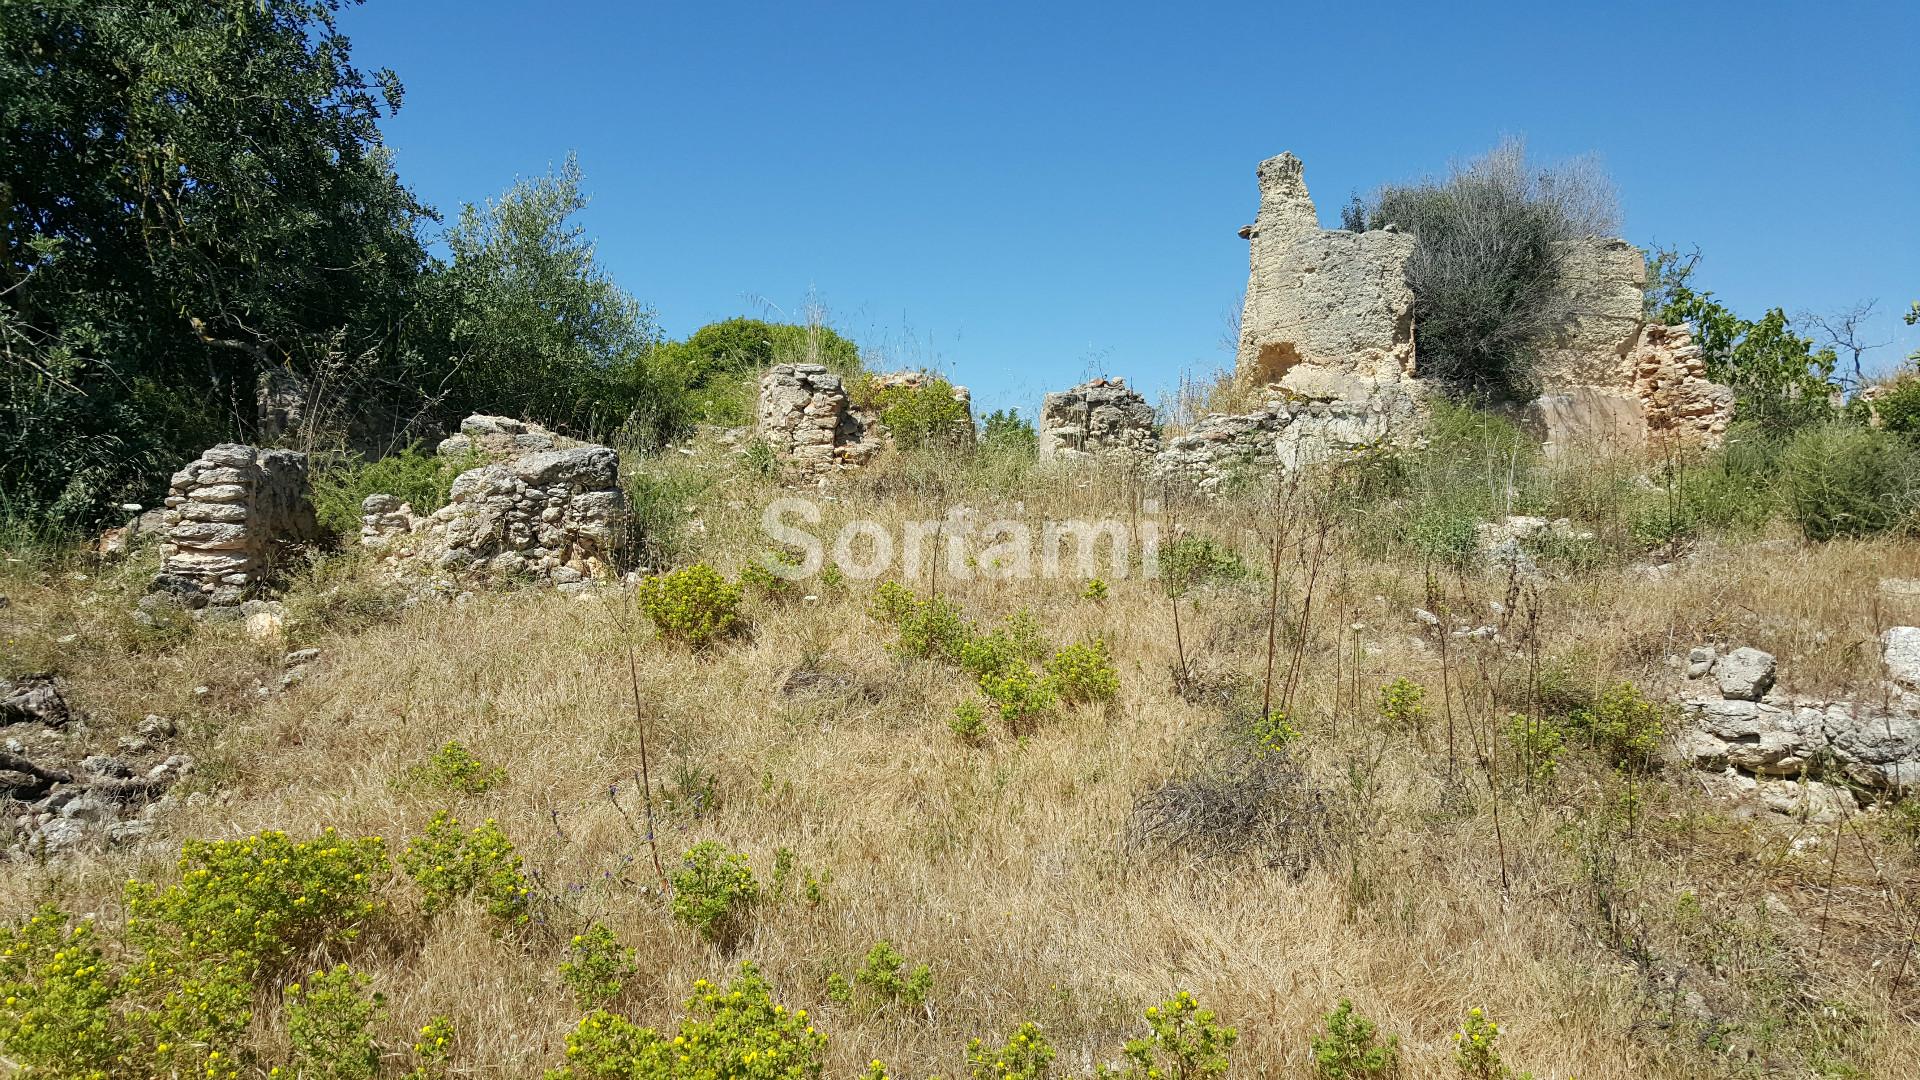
(1097, 419)
(1798, 754)
(543, 508)
(816, 431)
(1329, 318)
(231, 515)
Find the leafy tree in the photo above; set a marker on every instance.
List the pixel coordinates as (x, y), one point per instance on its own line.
(195, 192)
(1780, 380)
(537, 328)
(1005, 429)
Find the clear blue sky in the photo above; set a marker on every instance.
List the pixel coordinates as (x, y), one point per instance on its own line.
(1020, 194)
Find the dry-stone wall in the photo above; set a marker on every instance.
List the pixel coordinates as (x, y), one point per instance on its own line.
(1097, 419)
(547, 509)
(1607, 278)
(807, 419)
(1291, 432)
(1669, 373)
(231, 513)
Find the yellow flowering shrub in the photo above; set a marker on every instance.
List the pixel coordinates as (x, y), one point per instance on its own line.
(738, 1032)
(1027, 1055)
(449, 862)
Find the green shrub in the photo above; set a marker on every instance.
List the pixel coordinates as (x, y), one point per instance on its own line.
(1446, 535)
(329, 1020)
(1186, 1042)
(1475, 1053)
(1021, 694)
(1200, 560)
(1004, 431)
(433, 1050)
(419, 478)
(739, 1033)
(1624, 725)
(1273, 732)
(969, 720)
(1351, 1048)
(920, 416)
(1403, 704)
(1897, 409)
(694, 605)
(886, 978)
(597, 967)
(1096, 590)
(1027, 1055)
(448, 863)
(1084, 672)
(1842, 479)
(454, 768)
(1536, 746)
(712, 890)
(933, 629)
(56, 1000)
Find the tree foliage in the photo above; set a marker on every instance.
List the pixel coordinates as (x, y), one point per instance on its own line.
(717, 361)
(194, 192)
(1488, 266)
(1780, 380)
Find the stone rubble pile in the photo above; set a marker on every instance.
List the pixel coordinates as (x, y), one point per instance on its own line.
(553, 515)
(232, 514)
(1097, 419)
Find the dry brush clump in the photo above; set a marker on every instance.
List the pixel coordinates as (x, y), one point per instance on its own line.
(1304, 794)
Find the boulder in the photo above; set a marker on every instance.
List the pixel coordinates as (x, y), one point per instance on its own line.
(1745, 674)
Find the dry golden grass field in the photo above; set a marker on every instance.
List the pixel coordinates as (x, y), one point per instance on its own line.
(1617, 919)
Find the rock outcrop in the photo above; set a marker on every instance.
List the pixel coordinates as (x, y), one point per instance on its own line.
(1097, 419)
(547, 513)
(231, 515)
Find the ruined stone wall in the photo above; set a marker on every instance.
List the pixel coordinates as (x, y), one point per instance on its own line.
(1327, 311)
(231, 513)
(1099, 419)
(546, 509)
(1290, 432)
(1607, 280)
(809, 422)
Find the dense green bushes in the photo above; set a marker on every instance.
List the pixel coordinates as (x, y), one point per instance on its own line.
(1841, 479)
(419, 478)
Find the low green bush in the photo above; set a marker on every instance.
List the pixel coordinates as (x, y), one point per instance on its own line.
(1084, 673)
(597, 967)
(454, 768)
(449, 863)
(1627, 727)
(920, 416)
(1191, 561)
(1351, 1048)
(330, 1019)
(712, 890)
(888, 980)
(1026, 1055)
(1842, 479)
(694, 605)
(414, 476)
(1897, 409)
(1186, 1041)
(738, 1032)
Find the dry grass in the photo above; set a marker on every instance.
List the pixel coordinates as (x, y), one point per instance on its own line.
(1004, 865)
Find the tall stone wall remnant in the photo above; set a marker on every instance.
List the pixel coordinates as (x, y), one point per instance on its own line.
(231, 515)
(1101, 418)
(1606, 279)
(1328, 312)
(808, 420)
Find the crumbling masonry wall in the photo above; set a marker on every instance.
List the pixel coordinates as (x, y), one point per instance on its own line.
(231, 513)
(1097, 419)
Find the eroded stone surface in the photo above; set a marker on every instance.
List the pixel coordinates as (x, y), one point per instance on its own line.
(546, 514)
(809, 422)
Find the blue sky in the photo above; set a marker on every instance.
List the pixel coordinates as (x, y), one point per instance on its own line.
(1024, 194)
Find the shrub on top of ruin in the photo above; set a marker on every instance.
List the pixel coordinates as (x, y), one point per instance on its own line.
(420, 478)
(1351, 1048)
(1488, 269)
(917, 416)
(1841, 479)
(719, 362)
(694, 605)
